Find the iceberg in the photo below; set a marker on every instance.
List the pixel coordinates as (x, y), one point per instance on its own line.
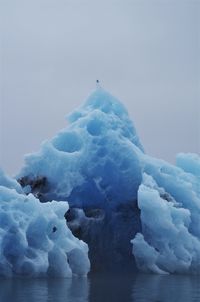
(134, 211)
(34, 238)
(94, 165)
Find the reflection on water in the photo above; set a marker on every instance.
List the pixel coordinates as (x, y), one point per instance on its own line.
(173, 288)
(43, 290)
(103, 288)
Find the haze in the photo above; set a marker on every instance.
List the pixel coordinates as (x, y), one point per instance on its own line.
(144, 52)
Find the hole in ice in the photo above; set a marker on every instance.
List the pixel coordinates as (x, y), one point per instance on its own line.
(94, 127)
(68, 142)
(54, 229)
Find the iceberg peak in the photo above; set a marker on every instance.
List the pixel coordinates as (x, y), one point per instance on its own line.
(102, 100)
(93, 161)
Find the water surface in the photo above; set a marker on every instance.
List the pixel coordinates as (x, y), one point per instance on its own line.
(103, 288)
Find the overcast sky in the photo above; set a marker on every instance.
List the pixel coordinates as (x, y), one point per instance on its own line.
(147, 53)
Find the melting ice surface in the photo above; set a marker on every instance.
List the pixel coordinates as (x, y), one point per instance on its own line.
(123, 203)
(34, 238)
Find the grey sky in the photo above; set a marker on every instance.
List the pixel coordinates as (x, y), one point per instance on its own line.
(144, 52)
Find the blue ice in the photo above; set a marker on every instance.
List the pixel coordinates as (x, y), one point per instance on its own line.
(97, 161)
(34, 238)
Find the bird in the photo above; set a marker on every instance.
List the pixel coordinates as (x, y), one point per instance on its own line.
(97, 84)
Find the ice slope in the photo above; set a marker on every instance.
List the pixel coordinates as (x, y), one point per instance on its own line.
(93, 161)
(34, 238)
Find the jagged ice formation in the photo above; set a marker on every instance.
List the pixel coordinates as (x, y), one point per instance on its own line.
(131, 209)
(34, 238)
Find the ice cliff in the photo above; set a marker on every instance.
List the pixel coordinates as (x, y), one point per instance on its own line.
(131, 209)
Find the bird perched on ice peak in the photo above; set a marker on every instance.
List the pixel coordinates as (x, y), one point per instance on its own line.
(98, 84)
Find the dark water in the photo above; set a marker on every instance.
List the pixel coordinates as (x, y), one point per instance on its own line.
(103, 288)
